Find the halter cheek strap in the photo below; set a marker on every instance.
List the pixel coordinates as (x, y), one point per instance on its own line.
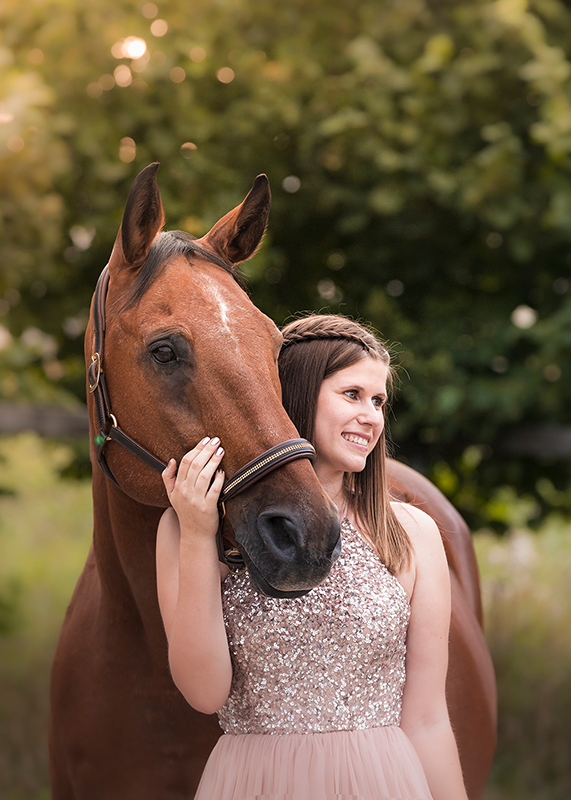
(109, 430)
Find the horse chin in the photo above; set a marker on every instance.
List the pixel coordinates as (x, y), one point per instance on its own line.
(262, 585)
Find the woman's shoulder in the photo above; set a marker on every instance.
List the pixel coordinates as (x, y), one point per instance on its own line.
(417, 523)
(428, 565)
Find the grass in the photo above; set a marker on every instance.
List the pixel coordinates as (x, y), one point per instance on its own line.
(525, 583)
(45, 531)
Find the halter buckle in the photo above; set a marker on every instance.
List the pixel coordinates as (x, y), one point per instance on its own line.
(95, 359)
(235, 562)
(114, 424)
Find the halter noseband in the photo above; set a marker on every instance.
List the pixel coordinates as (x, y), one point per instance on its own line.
(109, 430)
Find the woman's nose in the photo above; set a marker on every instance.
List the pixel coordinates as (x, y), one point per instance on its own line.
(368, 415)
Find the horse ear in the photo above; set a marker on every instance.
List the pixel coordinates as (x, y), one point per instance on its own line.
(238, 234)
(143, 218)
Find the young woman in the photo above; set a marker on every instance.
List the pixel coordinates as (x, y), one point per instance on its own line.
(340, 693)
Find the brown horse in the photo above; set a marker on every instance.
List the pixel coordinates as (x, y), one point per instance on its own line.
(187, 355)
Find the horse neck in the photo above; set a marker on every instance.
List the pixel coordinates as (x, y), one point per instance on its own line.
(124, 539)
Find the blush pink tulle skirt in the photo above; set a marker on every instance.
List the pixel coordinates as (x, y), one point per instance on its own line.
(373, 764)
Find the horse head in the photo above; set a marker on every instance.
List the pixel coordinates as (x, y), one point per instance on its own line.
(188, 355)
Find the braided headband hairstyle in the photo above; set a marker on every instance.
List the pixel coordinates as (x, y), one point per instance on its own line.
(314, 348)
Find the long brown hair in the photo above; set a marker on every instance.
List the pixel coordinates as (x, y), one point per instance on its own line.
(314, 348)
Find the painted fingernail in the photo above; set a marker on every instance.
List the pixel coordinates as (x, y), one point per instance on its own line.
(215, 441)
(205, 440)
(219, 451)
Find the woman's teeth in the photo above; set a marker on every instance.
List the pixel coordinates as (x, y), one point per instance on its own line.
(357, 439)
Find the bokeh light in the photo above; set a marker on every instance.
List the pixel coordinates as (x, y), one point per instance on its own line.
(150, 11)
(177, 75)
(36, 56)
(15, 143)
(225, 75)
(127, 150)
(159, 27)
(122, 75)
(197, 54)
(523, 317)
(291, 184)
(187, 149)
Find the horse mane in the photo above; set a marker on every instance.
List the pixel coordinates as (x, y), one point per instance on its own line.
(167, 246)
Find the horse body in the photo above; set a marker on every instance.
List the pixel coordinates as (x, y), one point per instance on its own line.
(188, 355)
(119, 727)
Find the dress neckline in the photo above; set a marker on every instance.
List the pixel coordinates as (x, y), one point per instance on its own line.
(346, 522)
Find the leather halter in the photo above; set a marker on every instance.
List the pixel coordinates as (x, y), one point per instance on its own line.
(109, 430)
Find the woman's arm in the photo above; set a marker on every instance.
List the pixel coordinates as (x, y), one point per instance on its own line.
(188, 579)
(425, 717)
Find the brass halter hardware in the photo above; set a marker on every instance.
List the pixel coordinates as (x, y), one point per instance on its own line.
(95, 359)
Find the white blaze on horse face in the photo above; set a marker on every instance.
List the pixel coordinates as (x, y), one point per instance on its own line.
(223, 308)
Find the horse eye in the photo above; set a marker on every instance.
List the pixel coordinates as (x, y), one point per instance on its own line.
(164, 354)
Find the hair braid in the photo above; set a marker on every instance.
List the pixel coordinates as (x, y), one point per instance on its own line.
(328, 326)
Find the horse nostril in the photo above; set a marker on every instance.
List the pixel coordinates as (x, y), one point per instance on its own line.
(279, 533)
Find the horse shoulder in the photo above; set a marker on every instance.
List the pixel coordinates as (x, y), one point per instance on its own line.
(409, 486)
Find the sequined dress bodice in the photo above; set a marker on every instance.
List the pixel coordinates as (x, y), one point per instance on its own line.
(329, 661)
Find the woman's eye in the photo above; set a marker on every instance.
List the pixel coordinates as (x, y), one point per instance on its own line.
(378, 402)
(164, 353)
(352, 393)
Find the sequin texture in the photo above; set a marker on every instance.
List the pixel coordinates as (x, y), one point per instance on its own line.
(332, 660)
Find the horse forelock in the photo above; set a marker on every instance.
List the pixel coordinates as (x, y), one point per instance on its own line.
(169, 245)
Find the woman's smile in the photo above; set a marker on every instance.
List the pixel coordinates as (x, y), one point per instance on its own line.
(352, 437)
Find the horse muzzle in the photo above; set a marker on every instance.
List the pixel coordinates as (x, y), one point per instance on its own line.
(286, 554)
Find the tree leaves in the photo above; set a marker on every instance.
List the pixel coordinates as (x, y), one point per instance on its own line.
(418, 156)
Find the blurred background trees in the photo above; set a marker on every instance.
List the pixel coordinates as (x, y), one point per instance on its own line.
(419, 157)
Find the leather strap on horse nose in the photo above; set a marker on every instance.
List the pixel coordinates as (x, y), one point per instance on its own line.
(251, 473)
(109, 430)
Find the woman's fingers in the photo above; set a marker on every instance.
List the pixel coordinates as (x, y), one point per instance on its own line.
(196, 468)
(206, 473)
(169, 476)
(189, 458)
(194, 491)
(217, 484)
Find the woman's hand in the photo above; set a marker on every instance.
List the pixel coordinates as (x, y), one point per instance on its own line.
(193, 497)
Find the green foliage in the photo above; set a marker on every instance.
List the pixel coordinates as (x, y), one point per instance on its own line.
(9, 598)
(525, 580)
(419, 156)
(36, 505)
(45, 532)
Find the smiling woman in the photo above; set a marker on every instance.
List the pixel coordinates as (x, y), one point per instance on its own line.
(333, 358)
(340, 692)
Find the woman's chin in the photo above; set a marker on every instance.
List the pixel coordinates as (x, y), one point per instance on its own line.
(356, 464)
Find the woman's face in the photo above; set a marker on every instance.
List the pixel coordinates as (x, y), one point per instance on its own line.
(349, 418)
